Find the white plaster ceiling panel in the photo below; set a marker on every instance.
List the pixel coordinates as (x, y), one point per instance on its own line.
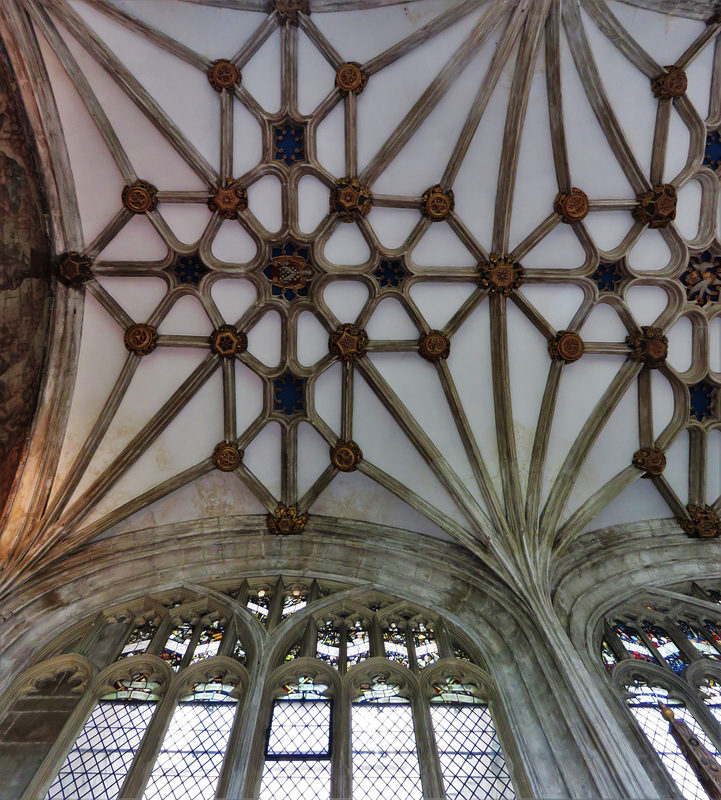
(500, 105)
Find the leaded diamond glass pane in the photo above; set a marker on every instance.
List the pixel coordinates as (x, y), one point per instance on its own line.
(300, 728)
(295, 780)
(103, 752)
(191, 757)
(385, 759)
(648, 715)
(471, 759)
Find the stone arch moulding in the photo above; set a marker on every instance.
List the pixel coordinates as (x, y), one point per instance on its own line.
(618, 565)
(129, 565)
(31, 487)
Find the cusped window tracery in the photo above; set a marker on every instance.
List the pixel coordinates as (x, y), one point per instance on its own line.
(359, 693)
(662, 655)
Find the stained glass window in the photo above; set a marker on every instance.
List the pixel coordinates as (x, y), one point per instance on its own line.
(711, 693)
(239, 652)
(699, 641)
(297, 763)
(394, 643)
(424, 642)
(644, 706)
(294, 652)
(666, 647)
(459, 652)
(608, 656)
(358, 642)
(191, 756)
(139, 640)
(472, 762)
(714, 631)
(209, 641)
(328, 644)
(259, 604)
(715, 595)
(385, 758)
(177, 644)
(632, 642)
(103, 752)
(294, 601)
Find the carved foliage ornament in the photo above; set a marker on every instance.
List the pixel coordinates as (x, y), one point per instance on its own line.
(703, 522)
(350, 199)
(348, 342)
(74, 269)
(140, 197)
(648, 345)
(228, 200)
(434, 345)
(226, 456)
(566, 347)
(436, 204)
(656, 208)
(227, 340)
(141, 339)
(501, 275)
(651, 460)
(673, 83)
(287, 520)
(223, 75)
(572, 207)
(288, 10)
(345, 456)
(351, 78)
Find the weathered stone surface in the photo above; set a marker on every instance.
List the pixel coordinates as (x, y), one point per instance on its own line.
(24, 281)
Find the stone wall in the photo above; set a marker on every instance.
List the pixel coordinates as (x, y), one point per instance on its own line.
(25, 288)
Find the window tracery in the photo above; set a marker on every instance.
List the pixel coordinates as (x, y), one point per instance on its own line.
(662, 649)
(156, 714)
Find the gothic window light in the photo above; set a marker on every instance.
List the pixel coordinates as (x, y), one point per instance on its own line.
(660, 649)
(191, 756)
(410, 720)
(103, 752)
(385, 755)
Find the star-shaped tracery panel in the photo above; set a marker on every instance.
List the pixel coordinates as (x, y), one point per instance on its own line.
(470, 246)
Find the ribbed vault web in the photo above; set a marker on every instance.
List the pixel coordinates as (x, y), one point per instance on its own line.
(462, 259)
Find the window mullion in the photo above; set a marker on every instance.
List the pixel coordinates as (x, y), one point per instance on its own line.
(309, 640)
(244, 755)
(431, 776)
(161, 636)
(375, 635)
(276, 606)
(445, 645)
(343, 647)
(411, 647)
(650, 645)
(341, 780)
(146, 754)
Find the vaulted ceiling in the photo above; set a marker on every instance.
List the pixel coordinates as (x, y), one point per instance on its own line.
(448, 237)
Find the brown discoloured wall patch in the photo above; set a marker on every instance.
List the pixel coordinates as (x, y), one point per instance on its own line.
(24, 281)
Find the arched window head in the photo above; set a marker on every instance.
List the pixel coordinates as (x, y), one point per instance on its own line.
(384, 750)
(298, 749)
(647, 703)
(471, 759)
(102, 754)
(659, 652)
(191, 756)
